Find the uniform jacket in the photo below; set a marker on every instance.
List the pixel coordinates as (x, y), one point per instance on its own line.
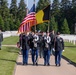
(35, 42)
(1, 37)
(25, 42)
(47, 45)
(59, 44)
(31, 44)
(52, 38)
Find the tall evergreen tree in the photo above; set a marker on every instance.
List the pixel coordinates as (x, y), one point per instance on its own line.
(1, 23)
(56, 11)
(13, 8)
(17, 24)
(74, 3)
(65, 4)
(65, 28)
(55, 7)
(6, 24)
(11, 23)
(42, 4)
(53, 24)
(65, 12)
(65, 8)
(73, 16)
(21, 10)
(74, 10)
(4, 8)
(4, 11)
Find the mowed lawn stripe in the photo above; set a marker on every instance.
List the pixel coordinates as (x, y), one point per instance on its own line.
(8, 56)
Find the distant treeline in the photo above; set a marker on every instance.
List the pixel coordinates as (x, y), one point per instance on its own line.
(62, 15)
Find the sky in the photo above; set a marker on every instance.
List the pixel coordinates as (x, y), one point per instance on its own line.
(30, 2)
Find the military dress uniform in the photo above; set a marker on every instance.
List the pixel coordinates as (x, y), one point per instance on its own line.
(47, 41)
(40, 45)
(52, 35)
(25, 48)
(35, 50)
(59, 47)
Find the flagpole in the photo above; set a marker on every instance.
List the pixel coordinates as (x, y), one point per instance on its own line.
(35, 21)
(49, 24)
(27, 7)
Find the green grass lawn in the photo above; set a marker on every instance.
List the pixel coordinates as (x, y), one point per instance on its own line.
(69, 44)
(10, 40)
(8, 57)
(70, 51)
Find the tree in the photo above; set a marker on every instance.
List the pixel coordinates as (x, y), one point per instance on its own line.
(65, 28)
(11, 22)
(17, 24)
(21, 10)
(65, 12)
(55, 11)
(74, 3)
(43, 27)
(13, 9)
(42, 4)
(55, 7)
(1, 23)
(65, 4)
(53, 24)
(6, 24)
(73, 15)
(4, 11)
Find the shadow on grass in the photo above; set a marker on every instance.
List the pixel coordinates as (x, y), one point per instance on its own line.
(68, 60)
(13, 50)
(7, 60)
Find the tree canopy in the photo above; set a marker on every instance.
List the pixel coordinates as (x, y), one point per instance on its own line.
(62, 15)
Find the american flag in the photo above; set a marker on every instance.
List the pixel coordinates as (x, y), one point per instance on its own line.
(28, 21)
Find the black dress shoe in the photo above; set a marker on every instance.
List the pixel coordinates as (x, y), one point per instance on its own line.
(48, 64)
(59, 64)
(33, 64)
(36, 64)
(23, 64)
(26, 63)
(44, 64)
(56, 65)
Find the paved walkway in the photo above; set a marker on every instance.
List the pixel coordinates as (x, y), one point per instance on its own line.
(65, 69)
(10, 45)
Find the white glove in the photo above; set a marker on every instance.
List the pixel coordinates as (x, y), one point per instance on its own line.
(63, 50)
(53, 49)
(20, 47)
